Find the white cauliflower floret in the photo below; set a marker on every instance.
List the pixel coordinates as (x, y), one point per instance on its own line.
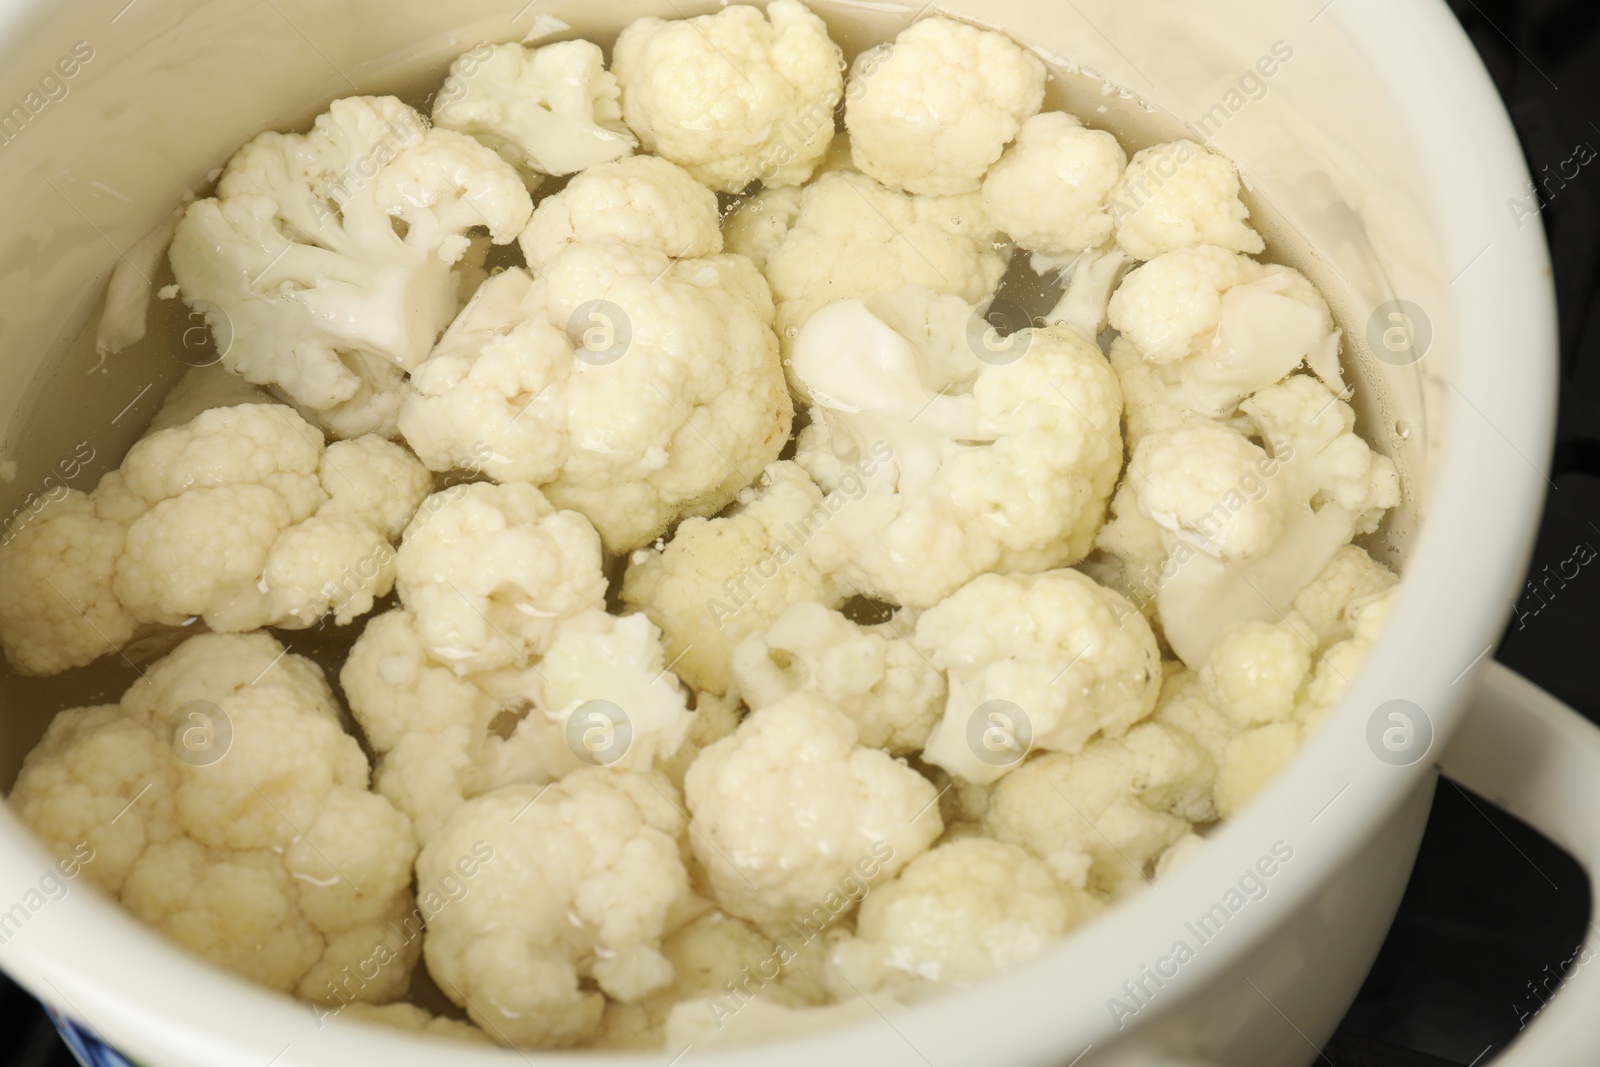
(1257, 671)
(1091, 277)
(225, 517)
(373, 481)
(593, 381)
(1179, 195)
(1302, 418)
(1338, 666)
(708, 956)
(58, 608)
(1067, 657)
(442, 738)
(736, 96)
(585, 879)
(993, 466)
(302, 275)
(600, 664)
(1048, 192)
(894, 695)
(1350, 578)
(845, 236)
(1100, 819)
(932, 112)
(956, 915)
(492, 570)
(1223, 326)
(225, 806)
(1211, 486)
(786, 807)
(643, 201)
(1245, 532)
(551, 110)
(719, 580)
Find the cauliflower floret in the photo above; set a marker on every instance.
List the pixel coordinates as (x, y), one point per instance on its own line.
(644, 201)
(790, 806)
(582, 882)
(1049, 659)
(992, 466)
(1091, 277)
(373, 481)
(492, 570)
(1223, 326)
(551, 110)
(1244, 532)
(933, 111)
(414, 1020)
(956, 915)
(1338, 666)
(845, 236)
(894, 695)
(1257, 671)
(1349, 579)
(223, 804)
(58, 608)
(600, 665)
(1048, 191)
(1211, 486)
(224, 517)
(733, 97)
(1099, 819)
(442, 738)
(718, 962)
(719, 580)
(1301, 417)
(1179, 195)
(301, 272)
(593, 382)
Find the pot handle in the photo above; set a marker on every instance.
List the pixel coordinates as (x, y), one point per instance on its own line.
(1538, 759)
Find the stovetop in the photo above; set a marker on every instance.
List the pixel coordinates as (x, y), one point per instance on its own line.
(1494, 912)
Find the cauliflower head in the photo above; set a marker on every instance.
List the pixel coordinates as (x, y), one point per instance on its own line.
(1053, 660)
(550, 110)
(736, 96)
(224, 805)
(300, 269)
(490, 572)
(955, 916)
(719, 580)
(1003, 464)
(933, 111)
(845, 236)
(786, 808)
(894, 695)
(1179, 195)
(1048, 193)
(583, 881)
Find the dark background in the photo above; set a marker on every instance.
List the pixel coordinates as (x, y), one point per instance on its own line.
(1493, 911)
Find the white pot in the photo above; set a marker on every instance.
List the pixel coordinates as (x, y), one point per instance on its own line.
(1381, 143)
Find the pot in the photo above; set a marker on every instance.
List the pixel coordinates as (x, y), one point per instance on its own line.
(1379, 160)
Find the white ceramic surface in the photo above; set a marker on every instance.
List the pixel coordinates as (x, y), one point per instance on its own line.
(1382, 146)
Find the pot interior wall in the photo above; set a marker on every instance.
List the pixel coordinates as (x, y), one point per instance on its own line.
(173, 86)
